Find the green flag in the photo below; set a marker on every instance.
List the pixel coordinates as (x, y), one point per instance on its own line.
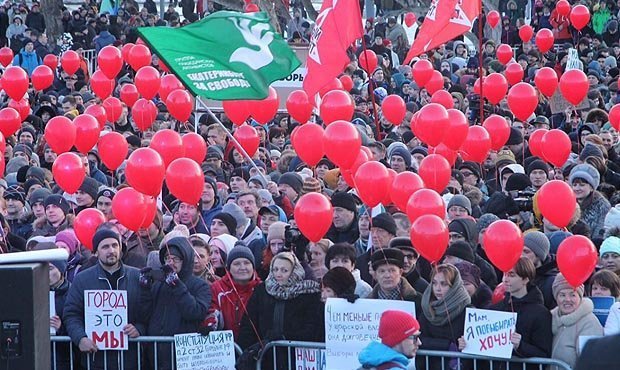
(225, 56)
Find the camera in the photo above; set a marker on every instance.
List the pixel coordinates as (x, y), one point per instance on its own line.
(524, 200)
(296, 242)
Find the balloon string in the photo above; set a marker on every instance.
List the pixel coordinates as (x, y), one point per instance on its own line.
(480, 69)
(444, 301)
(372, 92)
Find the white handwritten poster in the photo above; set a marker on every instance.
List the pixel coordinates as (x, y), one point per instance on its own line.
(488, 333)
(215, 351)
(105, 316)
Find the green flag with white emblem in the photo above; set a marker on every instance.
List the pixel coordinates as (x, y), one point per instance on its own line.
(225, 56)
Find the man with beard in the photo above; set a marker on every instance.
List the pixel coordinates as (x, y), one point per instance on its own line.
(19, 218)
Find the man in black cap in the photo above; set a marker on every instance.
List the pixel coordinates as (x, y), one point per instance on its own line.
(214, 159)
(290, 184)
(538, 171)
(382, 230)
(109, 273)
(387, 265)
(239, 179)
(17, 215)
(104, 201)
(344, 223)
(210, 200)
(36, 200)
(87, 194)
(410, 260)
(57, 217)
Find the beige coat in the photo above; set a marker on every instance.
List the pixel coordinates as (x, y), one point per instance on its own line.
(568, 328)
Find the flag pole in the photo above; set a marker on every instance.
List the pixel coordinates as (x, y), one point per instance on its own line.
(480, 69)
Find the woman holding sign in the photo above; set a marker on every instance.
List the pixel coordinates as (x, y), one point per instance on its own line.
(443, 314)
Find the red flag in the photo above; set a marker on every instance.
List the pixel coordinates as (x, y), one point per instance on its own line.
(338, 25)
(445, 20)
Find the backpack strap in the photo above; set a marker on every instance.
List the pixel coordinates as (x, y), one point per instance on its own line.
(389, 365)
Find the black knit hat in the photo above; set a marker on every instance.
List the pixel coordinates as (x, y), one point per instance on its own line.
(239, 251)
(384, 221)
(102, 234)
(59, 202)
(340, 280)
(390, 256)
(229, 221)
(472, 166)
(106, 192)
(90, 186)
(241, 172)
(516, 137)
(518, 181)
(537, 165)
(344, 200)
(462, 250)
(293, 180)
(15, 192)
(39, 195)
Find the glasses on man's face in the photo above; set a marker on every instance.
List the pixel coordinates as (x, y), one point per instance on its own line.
(415, 338)
(277, 245)
(173, 259)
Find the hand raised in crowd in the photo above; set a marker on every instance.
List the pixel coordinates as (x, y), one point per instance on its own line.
(273, 188)
(146, 279)
(171, 277)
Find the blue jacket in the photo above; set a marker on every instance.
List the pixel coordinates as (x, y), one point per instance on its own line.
(208, 214)
(27, 60)
(376, 354)
(104, 39)
(94, 278)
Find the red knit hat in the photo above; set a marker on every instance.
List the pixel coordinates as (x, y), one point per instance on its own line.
(396, 326)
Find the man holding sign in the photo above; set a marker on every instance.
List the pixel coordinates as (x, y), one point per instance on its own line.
(109, 278)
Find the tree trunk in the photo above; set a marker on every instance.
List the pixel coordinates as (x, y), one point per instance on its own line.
(53, 19)
(312, 13)
(231, 4)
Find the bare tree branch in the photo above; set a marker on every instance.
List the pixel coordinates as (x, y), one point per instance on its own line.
(53, 19)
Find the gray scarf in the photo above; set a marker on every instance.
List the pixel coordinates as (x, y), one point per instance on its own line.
(441, 311)
(393, 294)
(294, 286)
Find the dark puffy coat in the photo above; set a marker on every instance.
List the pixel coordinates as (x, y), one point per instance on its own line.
(441, 338)
(600, 353)
(73, 314)
(533, 323)
(63, 360)
(545, 275)
(349, 235)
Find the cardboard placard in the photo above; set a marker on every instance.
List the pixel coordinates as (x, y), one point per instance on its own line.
(488, 332)
(215, 351)
(105, 316)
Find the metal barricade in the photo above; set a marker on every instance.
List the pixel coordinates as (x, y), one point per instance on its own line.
(141, 342)
(91, 56)
(424, 356)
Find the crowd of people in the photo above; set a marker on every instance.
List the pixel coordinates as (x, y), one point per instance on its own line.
(237, 261)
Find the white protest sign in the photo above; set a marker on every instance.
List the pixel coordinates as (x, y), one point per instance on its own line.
(105, 316)
(349, 327)
(583, 339)
(310, 359)
(52, 310)
(215, 351)
(487, 332)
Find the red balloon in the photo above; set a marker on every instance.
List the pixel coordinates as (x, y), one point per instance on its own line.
(410, 19)
(298, 106)
(139, 56)
(86, 224)
(372, 182)
(614, 116)
(129, 207)
(556, 147)
(113, 149)
(180, 105)
(15, 82)
(168, 84)
(248, 138)
(22, 106)
(544, 40)
(60, 135)
(347, 82)
(150, 212)
(394, 109)
(442, 150)
(308, 143)
(513, 73)
(337, 105)
(498, 294)
(522, 100)
(435, 83)
(2, 146)
(457, 129)
(42, 77)
(574, 86)
(342, 142)
(70, 62)
(526, 32)
(477, 86)
(101, 85)
(563, 8)
(110, 61)
(125, 51)
(444, 98)
(577, 258)
(10, 121)
(387, 198)
(535, 142)
(68, 171)
(264, 110)
(129, 94)
(98, 112)
(493, 18)
(435, 172)
(557, 202)
(145, 171)
(237, 111)
(368, 60)
(168, 144)
(86, 132)
(195, 147)
(404, 185)
(432, 123)
(143, 113)
(579, 16)
(425, 202)
(503, 244)
(422, 72)
(147, 82)
(498, 129)
(51, 61)
(495, 87)
(334, 84)
(361, 158)
(185, 180)
(477, 144)
(251, 8)
(113, 109)
(6, 56)
(313, 215)
(546, 81)
(504, 53)
(430, 236)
